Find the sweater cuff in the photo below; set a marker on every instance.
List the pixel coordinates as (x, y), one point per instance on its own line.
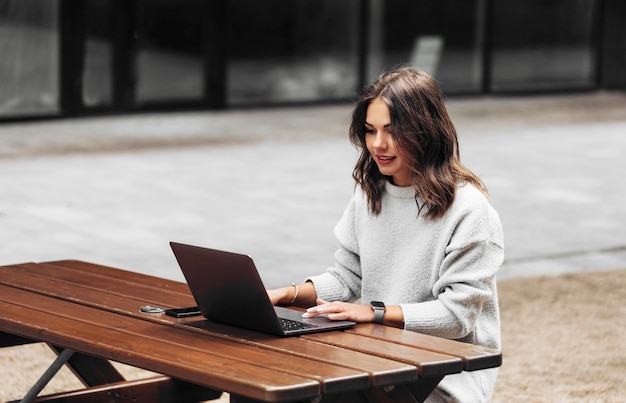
(429, 317)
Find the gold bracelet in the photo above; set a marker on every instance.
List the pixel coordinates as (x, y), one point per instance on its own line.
(295, 296)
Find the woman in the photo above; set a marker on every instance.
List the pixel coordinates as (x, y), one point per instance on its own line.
(420, 244)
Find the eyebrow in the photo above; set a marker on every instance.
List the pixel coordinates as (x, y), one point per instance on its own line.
(369, 124)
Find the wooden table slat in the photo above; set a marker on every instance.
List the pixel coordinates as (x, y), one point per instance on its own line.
(102, 297)
(95, 282)
(384, 371)
(474, 357)
(428, 363)
(134, 278)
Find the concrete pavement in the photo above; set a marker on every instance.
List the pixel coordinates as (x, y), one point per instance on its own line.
(273, 182)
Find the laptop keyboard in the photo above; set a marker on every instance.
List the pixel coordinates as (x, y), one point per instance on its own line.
(289, 324)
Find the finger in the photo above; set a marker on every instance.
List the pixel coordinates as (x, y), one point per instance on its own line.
(319, 302)
(323, 308)
(338, 316)
(313, 311)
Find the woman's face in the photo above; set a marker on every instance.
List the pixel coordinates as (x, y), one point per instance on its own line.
(381, 146)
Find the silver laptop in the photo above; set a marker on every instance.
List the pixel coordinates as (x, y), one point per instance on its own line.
(228, 289)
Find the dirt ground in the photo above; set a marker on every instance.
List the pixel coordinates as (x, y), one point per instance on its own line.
(563, 341)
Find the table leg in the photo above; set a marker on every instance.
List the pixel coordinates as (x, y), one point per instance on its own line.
(48, 375)
(92, 371)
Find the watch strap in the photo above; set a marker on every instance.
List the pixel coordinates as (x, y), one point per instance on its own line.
(379, 311)
(378, 316)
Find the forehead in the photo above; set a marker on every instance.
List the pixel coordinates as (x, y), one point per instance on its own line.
(377, 113)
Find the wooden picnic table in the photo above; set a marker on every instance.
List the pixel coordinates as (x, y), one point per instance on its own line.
(91, 315)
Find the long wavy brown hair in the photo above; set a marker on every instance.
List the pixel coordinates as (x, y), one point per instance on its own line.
(423, 134)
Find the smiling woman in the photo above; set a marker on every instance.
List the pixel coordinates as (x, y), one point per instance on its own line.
(420, 245)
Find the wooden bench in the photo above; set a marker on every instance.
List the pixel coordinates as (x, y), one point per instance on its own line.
(94, 310)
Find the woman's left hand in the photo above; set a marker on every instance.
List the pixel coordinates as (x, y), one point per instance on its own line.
(341, 311)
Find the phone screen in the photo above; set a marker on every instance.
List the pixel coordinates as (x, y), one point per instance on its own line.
(183, 312)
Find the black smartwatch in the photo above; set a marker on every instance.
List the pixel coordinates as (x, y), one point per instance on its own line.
(379, 311)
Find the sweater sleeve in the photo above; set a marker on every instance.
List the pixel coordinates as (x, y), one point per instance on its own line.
(342, 282)
(467, 283)
(465, 290)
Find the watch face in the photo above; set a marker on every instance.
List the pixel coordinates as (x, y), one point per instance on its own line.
(378, 304)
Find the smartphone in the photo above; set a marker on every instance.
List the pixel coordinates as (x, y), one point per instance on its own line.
(183, 312)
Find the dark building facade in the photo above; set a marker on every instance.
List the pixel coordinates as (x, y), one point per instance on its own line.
(62, 58)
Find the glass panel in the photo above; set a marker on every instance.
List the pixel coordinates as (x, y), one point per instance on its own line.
(29, 61)
(442, 37)
(292, 50)
(169, 40)
(542, 45)
(613, 36)
(97, 77)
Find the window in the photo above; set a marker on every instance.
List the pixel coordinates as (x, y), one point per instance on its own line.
(292, 50)
(542, 45)
(29, 65)
(442, 37)
(169, 50)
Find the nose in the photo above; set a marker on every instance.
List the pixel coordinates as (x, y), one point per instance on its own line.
(380, 140)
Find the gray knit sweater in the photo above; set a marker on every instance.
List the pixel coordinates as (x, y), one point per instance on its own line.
(441, 272)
